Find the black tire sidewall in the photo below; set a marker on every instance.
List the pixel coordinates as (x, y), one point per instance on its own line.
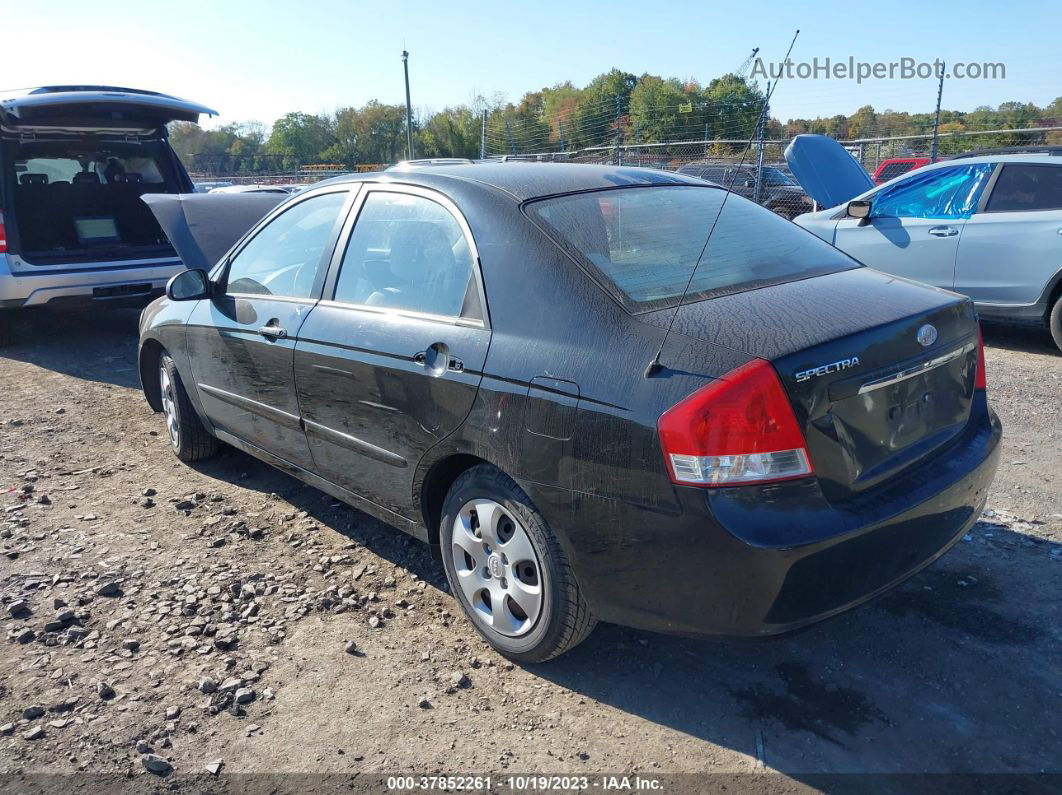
(1055, 323)
(481, 482)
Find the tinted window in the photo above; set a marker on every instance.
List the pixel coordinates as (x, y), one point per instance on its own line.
(775, 177)
(942, 193)
(714, 174)
(50, 163)
(284, 257)
(1027, 187)
(644, 243)
(406, 252)
(740, 176)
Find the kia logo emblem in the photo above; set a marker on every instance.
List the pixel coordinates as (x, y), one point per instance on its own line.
(927, 335)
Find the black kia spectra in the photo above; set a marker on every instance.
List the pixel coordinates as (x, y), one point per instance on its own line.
(498, 359)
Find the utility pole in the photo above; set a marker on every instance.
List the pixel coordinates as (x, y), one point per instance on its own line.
(483, 137)
(936, 118)
(560, 134)
(409, 109)
(619, 134)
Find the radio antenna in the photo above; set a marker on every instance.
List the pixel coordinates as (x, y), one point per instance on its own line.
(654, 366)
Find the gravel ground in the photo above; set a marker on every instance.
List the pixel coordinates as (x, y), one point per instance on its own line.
(164, 617)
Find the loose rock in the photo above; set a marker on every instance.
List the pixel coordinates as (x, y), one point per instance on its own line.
(154, 763)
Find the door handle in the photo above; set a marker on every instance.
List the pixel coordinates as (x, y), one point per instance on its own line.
(273, 331)
(943, 231)
(436, 359)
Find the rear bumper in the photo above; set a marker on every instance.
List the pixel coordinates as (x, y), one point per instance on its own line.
(135, 282)
(763, 560)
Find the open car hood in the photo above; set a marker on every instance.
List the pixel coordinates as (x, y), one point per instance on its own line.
(105, 107)
(826, 170)
(204, 226)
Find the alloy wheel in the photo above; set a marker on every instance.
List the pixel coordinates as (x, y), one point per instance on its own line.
(169, 406)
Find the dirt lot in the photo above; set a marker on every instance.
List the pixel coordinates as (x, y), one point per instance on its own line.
(203, 614)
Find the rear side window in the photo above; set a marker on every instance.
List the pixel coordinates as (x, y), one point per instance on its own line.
(406, 253)
(643, 244)
(946, 193)
(1026, 187)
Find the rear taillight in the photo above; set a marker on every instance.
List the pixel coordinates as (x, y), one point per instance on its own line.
(739, 429)
(980, 380)
(3, 236)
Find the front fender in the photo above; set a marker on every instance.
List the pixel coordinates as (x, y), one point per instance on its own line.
(163, 326)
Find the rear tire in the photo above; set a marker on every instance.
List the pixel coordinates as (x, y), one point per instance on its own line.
(507, 570)
(190, 440)
(1055, 322)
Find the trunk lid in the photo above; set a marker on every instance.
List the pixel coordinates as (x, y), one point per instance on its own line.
(204, 226)
(97, 107)
(871, 396)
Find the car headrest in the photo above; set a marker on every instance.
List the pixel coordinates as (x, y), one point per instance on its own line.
(418, 249)
(33, 179)
(129, 176)
(86, 178)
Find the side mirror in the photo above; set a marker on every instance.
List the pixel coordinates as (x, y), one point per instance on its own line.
(188, 286)
(859, 208)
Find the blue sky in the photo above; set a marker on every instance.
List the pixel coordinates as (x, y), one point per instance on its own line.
(258, 60)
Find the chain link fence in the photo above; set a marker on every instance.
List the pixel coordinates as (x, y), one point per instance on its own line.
(756, 170)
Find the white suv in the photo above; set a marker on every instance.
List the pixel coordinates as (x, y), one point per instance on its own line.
(74, 162)
(988, 225)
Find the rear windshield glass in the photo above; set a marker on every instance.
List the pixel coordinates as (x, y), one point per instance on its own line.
(114, 163)
(642, 244)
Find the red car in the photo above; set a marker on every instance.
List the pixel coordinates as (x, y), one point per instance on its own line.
(895, 166)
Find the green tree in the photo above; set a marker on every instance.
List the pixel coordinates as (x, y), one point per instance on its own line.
(595, 115)
(300, 138)
(453, 132)
(658, 110)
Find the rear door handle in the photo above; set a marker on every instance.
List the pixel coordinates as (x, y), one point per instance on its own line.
(273, 331)
(437, 360)
(943, 231)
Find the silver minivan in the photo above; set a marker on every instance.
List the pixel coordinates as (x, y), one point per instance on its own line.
(74, 164)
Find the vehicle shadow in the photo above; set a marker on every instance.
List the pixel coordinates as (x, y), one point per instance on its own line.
(951, 672)
(1025, 339)
(91, 344)
(944, 674)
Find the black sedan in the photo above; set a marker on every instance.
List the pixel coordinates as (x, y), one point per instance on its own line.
(596, 392)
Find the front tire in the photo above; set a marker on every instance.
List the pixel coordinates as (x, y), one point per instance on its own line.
(1055, 322)
(508, 571)
(190, 440)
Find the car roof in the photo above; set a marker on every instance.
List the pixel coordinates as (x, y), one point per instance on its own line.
(522, 180)
(1051, 160)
